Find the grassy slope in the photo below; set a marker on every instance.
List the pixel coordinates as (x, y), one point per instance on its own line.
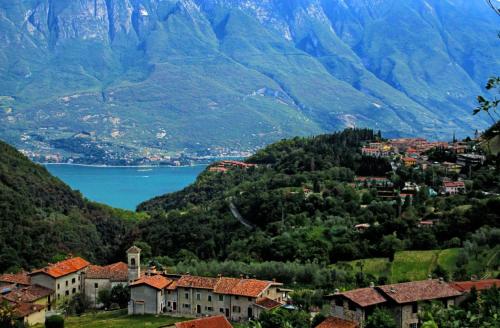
(417, 265)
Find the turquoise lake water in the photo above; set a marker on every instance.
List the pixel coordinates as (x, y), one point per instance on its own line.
(125, 187)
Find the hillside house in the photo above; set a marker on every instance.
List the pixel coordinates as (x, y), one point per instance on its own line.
(192, 296)
(403, 300)
(27, 313)
(98, 278)
(465, 287)
(18, 279)
(64, 277)
(453, 187)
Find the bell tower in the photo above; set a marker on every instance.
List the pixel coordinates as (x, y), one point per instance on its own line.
(134, 263)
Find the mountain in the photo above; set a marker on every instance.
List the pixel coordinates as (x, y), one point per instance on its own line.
(175, 75)
(42, 219)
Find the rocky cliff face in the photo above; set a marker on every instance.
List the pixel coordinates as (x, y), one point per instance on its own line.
(131, 70)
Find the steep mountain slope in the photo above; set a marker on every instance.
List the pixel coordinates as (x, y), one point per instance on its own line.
(41, 217)
(197, 74)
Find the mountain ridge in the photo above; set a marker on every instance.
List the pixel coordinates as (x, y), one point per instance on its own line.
(196, 75)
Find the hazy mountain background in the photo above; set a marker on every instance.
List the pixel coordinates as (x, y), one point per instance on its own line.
(193, 74)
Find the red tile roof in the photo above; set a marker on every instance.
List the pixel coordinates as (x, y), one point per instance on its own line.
(466, 286)
(364, 296)
(453, 184)
(114, 272)
(21, 278)
(64, 268)
(197, 282)
(332, 322)
(418, 291)
(267, 303)
(28, 294)
(210, 322)
(241, 287)
(156, 281)
(22, 310)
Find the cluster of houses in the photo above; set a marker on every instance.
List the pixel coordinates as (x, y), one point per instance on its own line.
(213, 301)
(37, 294)
(226, 165)
(404, 301)
(410, 152)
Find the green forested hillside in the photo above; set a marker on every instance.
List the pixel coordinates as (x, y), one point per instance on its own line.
(41, 218)
(299, 204)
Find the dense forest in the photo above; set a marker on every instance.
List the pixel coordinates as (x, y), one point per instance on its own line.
(42, 219)
(300, 204)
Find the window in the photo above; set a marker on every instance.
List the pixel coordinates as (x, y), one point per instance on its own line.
(209, 308)
(221, 310)
(186, 306)
(413, 325)
(67, 293)
(236, 309)
(169, 303)
(58, 296)
(250, 299)
(186, 296)
(67, 283)
(96, 285)
(73, 280)
(236, 297)
(210, 298)
(339, 302)
(74, 290)
(58, 286)
(198, 296)
(221, 298)
(352, 306)
(132, 262)
(414, 308)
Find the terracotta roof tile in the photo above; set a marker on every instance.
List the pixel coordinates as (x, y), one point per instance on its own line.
(267, 303)
(24, 309)
(21, 278)
(28, 294)
(332, 322)
(418, 291)
(241, 287)
(466, 286)
(64, 268)
(156, 281)
(210, 322)
(364, 296)
(114, 272)
(196, 282)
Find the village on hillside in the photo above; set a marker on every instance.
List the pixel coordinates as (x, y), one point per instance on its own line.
(212, 301)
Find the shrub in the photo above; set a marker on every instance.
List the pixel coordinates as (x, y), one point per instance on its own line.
(55, 321)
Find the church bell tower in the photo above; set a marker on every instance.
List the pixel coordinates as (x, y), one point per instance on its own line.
(134, 263)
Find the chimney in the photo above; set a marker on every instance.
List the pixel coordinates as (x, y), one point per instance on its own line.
(372, 284)
(393, 290)
(336, 291)
(441, 280)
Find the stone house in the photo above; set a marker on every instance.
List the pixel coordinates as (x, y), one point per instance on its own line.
(98, 278)
(453, 187)
(147, 295)
(406, 299)
(403, 300)
(191, 296)
(64, 277)
(356, 305)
